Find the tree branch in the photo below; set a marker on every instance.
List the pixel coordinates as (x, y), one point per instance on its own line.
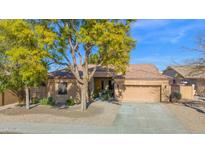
(73, 25)
(60, 63)
(72, 69)
(94, 69)
(81, 58)
(74, 66)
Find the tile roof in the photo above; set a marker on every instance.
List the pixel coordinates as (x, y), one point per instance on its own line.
(143, 71)
(63, 73)
(190, 71)
(134, 71)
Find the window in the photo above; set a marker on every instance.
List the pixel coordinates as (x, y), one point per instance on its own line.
(62, 88)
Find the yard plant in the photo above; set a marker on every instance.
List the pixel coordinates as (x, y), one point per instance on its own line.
(175, 96)
(24, 52)
(70, 102)
(100, 42)
(47, 101)
(29, 47)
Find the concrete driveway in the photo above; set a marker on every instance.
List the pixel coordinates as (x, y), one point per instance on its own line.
(146, 118)
(131, 118)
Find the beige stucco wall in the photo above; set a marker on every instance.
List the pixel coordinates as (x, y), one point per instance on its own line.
(9, 98)
(120, 87)
(186, 91)
(38, 92)
(73, 90)
(103, 74)
(0, 99)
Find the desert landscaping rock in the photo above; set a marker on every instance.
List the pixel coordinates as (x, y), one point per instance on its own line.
(102, 114)
(190, 114)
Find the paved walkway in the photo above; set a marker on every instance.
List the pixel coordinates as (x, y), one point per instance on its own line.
(131, 118)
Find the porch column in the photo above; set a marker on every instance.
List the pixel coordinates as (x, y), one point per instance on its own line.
(114, 87)
(92, 86)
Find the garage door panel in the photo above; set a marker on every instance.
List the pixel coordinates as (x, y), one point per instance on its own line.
(142, 93)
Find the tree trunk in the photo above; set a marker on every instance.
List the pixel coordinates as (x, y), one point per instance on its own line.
(27, 97)
(3, 99)
(84, 91)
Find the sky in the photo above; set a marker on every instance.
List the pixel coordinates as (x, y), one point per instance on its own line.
(165, 42)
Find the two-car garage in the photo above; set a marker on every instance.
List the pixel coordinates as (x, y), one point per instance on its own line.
(142, 83)
(139, 93)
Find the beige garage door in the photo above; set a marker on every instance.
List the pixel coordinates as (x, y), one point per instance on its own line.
(142, 93)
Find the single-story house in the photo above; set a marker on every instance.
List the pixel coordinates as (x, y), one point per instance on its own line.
(141, 83)
(187, 75)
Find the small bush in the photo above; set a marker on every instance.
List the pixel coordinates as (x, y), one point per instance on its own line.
(103, 95)
(70, 102)
(44, 101)
(47, 101)
(106, 95)
(95, 94)
(51, 101)
(175, 96)
(35, 100)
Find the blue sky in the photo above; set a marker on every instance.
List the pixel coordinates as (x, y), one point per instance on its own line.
(163, 42)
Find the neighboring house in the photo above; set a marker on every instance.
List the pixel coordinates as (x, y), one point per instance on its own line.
(141, 83)
(187, 75)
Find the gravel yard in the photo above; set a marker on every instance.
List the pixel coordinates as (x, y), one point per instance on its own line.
(191, 114)
(105, 117)
(98, 113)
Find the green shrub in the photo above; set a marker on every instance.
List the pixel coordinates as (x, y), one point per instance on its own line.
(103, 95)
(35, 100)
(106, 95)
(44, 101)
(95, 94)
(47, 101)
(51, 101)
(175, 96)
(70, 102)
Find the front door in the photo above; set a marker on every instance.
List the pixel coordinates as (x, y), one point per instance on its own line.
(101, 84)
